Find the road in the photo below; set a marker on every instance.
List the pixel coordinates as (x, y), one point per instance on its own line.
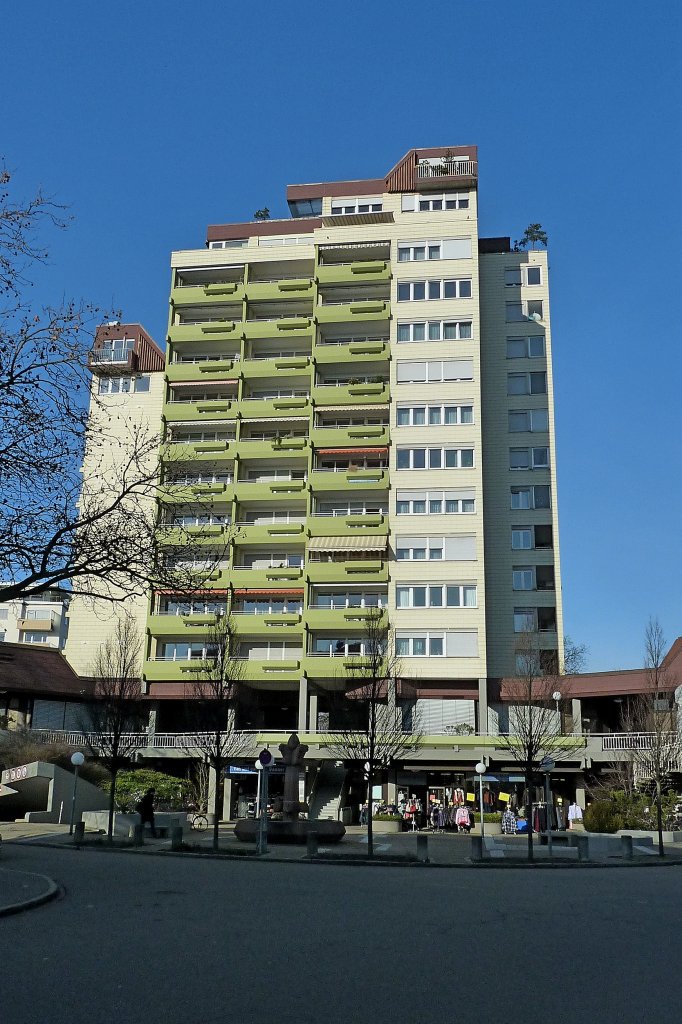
(153, 939)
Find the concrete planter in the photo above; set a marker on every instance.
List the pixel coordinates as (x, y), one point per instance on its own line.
(385, 828)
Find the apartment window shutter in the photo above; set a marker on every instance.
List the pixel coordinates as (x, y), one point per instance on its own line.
(456, 249)
(461, 645)
(460, 549)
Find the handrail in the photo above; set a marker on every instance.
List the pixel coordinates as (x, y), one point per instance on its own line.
(447, 168)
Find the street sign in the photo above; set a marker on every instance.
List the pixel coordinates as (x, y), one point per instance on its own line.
(265, 758)
(547, 764)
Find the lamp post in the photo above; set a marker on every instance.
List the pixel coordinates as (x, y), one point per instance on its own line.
(481, 770)
(556, 697)
(77, 760)
(547, 766)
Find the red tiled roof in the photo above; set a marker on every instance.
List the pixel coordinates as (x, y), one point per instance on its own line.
(31, 669)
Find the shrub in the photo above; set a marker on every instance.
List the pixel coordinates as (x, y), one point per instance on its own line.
(387, 817)
(20, 747)
(601, 816)
(493, 818)
(171, 792)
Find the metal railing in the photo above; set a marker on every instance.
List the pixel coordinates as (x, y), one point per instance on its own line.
(631, 740)
(447, 168)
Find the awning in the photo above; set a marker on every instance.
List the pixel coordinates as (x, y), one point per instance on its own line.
(268, 591)
(189, 594)
(354, 245)
(201, 383)
(350, 408)
(348, 543)
(352, 451)
(274, 419)
(345, 220)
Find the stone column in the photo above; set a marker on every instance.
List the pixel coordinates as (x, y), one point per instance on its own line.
(580, 791)
(312, 712)
(302, 704)
(227, 798)
(576, 715)
(153, 718)
(482, 724)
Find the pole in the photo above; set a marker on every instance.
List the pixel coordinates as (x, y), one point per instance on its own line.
(263, 822)
(257, 814)
(548, 796)
(73, 798)
(480, 803)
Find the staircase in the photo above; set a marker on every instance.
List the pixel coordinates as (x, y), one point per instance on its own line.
(329, 790)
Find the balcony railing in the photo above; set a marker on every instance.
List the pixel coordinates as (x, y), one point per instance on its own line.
(447, 169)
(350, 341)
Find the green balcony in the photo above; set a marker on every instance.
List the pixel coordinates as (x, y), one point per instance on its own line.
(213, 330)
(353, 312)
(341, 620)
(203, 495)
(355, 525)
(220, 409)
(212, 371)
(289, 327)
(346, 437)
(211, 536)
(271, 671)
(263, 579)
(281, 366)
(198, 451)
(156, 671)
(215, 294)
(273, 490)
(353, 571)
(324, 666)
(278, 626)
(359, 272)
(354, 352)
(265, 534)
(180, 627)
(265, 408)
(356, 479)
(273, 451)
(289, 288)
(367, 393)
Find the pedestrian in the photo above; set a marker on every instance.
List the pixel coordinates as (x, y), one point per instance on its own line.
(363, 814)
(145, 809)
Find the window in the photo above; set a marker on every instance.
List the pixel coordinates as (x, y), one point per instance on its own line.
(512, 276)
(364, 204)
(270, 650)
(4, 614)
(115, 351)
(533, 383)
(528, 420)
(335, 599)
(421, 503)
(531, 497)
(441, 249)
(434, 458)
(524, 538)
(34, 638)
(422, 645)
(453, 288)
(412, 202)
(433, 415)
(529, 458)
(435, 330)
(525, 620)
(533, 275)
(523, 578)
(526, 348)
(229, 243)
(434, 370)
(337, 647)
(122, 385)
(273, 240)
(176, 606)
(530, 310)
(449, 595)
(271, 606)
(455, 548)
(305, 207)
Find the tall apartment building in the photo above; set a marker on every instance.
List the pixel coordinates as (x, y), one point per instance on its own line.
(40, 619)
(360, 399)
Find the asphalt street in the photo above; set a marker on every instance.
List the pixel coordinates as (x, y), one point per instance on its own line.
(150, 939)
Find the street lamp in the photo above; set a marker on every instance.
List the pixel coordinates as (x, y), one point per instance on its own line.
(77, 760)
(556, 697)
(481, 770)
(547, 766)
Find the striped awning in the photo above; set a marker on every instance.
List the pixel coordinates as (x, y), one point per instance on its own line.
(354, 245)
(268, 591)
(189, 594)
(348, 408)
(352, 451)
(274, 419)
(348, 543)
(201, 383)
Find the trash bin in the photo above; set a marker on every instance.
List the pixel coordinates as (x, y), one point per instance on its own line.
(347, 815)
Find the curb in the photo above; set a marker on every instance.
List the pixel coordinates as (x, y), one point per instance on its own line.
(51, 892)
(360, 861)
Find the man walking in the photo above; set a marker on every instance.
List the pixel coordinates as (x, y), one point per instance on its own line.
(145, 809)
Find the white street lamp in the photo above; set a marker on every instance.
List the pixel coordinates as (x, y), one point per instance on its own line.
(481, 770)
(77, 760)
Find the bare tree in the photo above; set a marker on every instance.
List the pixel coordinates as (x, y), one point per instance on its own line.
(212, 697)
(535, 728)
(114, 732)
(650, 718)
(375, 737)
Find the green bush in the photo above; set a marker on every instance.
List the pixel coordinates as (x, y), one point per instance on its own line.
(494, 818)
(601, 816)
(387, 817)
(171, 792)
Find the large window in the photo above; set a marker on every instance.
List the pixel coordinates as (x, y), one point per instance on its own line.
(528, 421)
(196, 606)
(530, 310)
(339, 647)
(533, 383)
(456, 548)
(336, 599)
(434, 458)
(433, 415)
(516, 276)
(271, 606)
(526, 348)
(182, 650)
(418, 644)
(434, 503)
(362, 204)
(448, 595)
(440, 249)
(430, 371)
(537, 496)
(416, 291)
(115, 351)
(434, 330)
(122, 385)
(413, 202)
(529, 458)
(525, 538)
(533, 577)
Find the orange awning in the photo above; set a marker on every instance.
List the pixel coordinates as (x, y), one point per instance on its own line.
(352, 451)
(269, 591)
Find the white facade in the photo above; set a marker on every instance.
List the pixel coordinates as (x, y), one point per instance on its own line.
(42, 619)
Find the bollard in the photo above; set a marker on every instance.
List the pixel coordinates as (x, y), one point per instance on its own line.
(176, 838)
(0, 844)
(477, 847)
(79, 832)
(311, 843)
(582, 842)
(423, 849)
(138, 835)
(626, 850)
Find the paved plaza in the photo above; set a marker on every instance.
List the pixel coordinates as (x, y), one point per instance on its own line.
(185, 940)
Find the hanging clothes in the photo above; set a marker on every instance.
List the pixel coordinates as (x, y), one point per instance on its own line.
(509, 823)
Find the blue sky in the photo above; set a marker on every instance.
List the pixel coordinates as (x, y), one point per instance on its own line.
(152, 121)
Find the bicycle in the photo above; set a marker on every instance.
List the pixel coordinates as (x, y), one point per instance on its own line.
(198, 822)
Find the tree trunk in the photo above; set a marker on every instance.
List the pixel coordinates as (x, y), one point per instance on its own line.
(217, 794)
(112, 804)
(529, 811)
(659, 817)
(370, 833)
